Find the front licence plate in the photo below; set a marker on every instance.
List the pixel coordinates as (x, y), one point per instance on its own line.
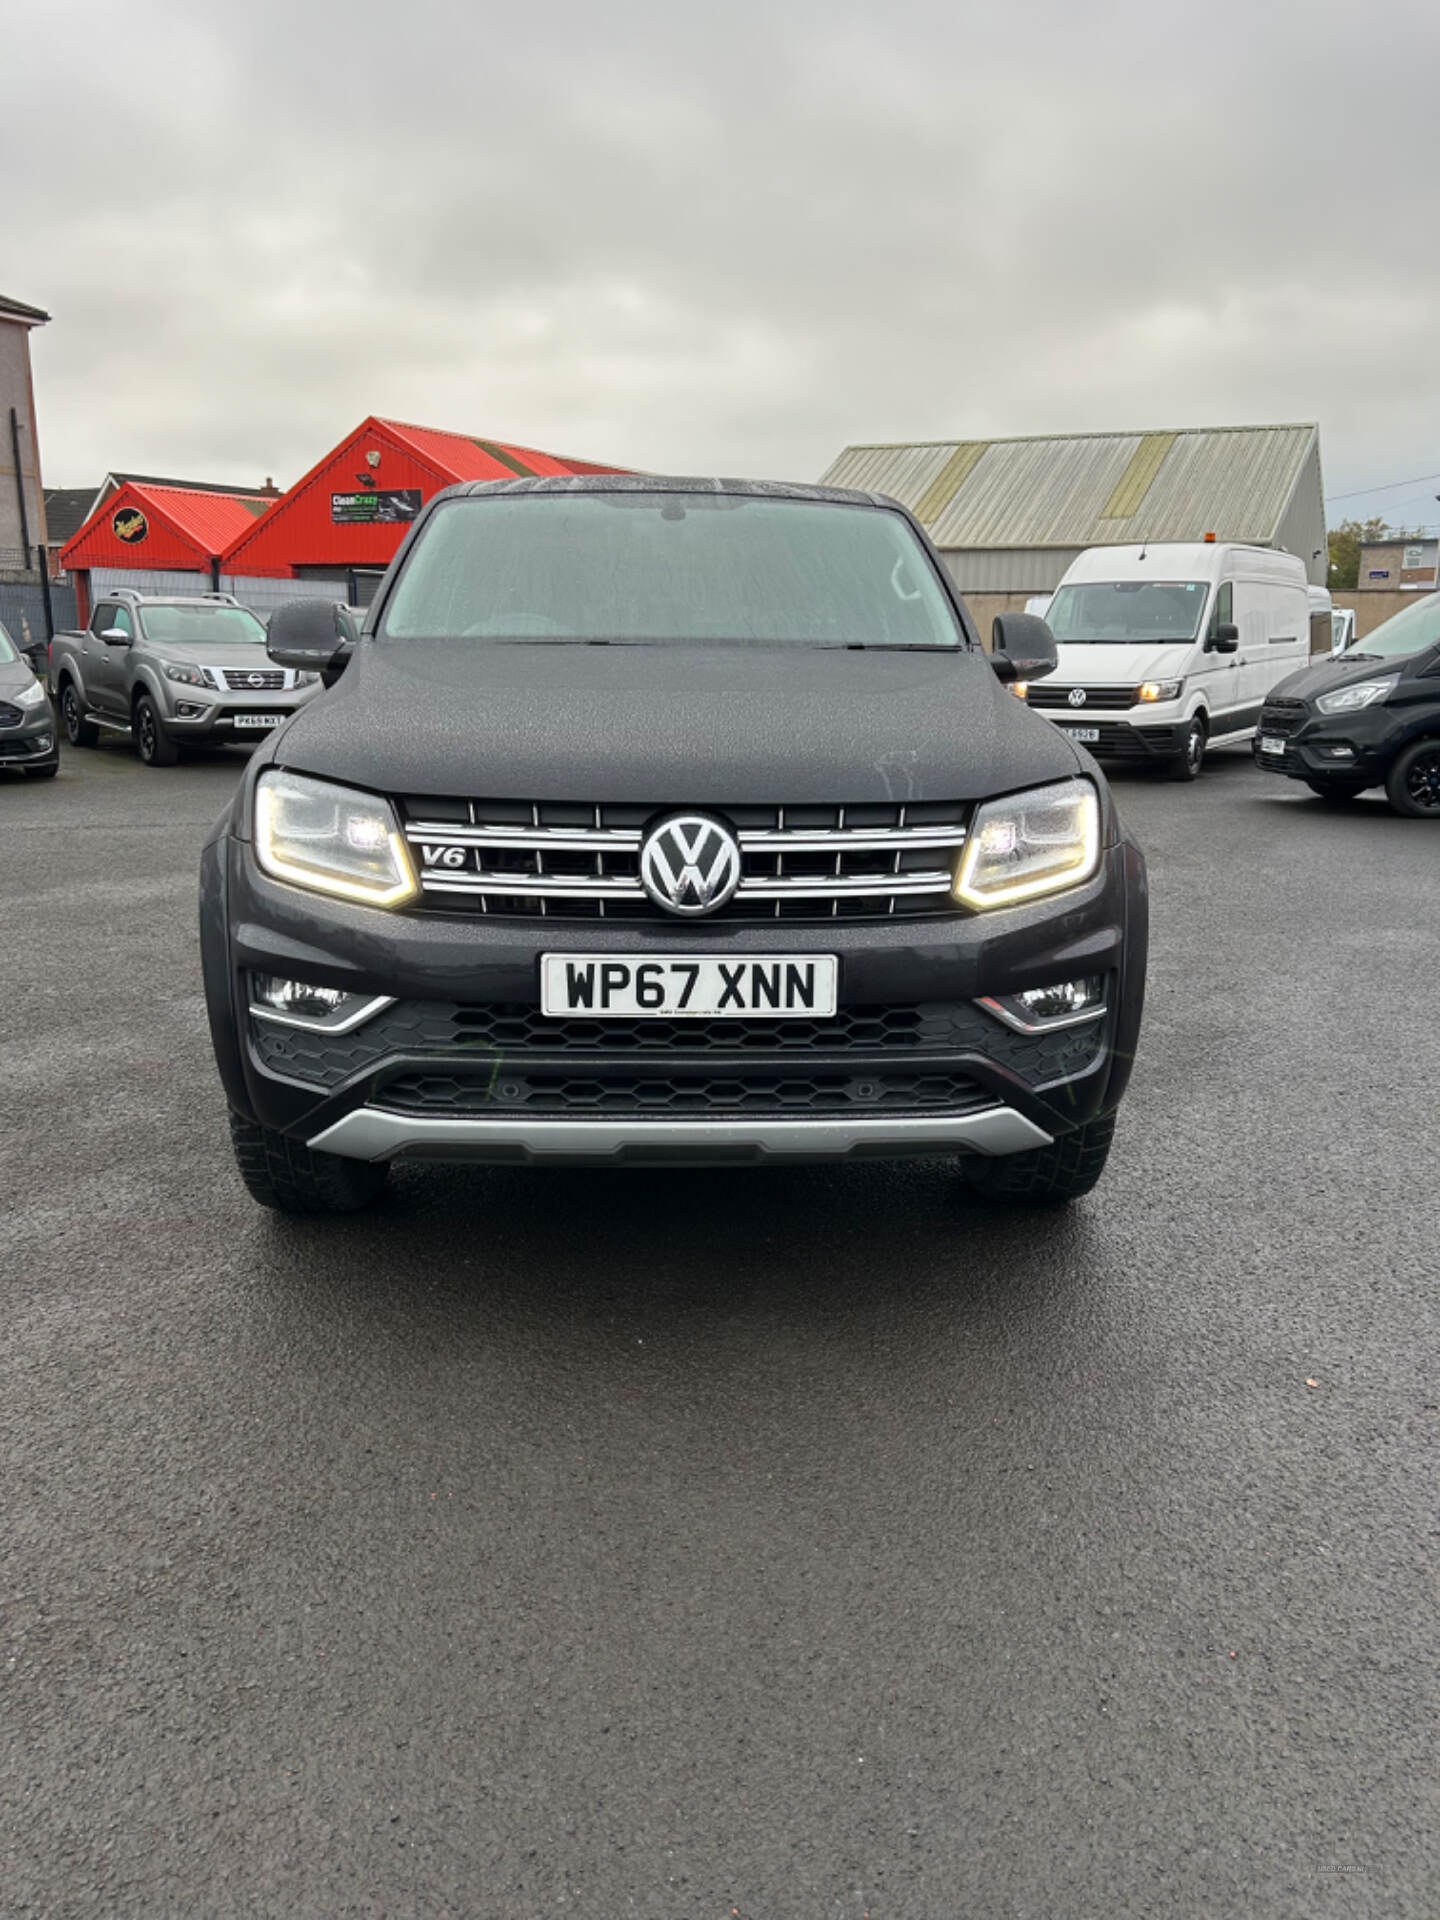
(1087, 736)
(259, 719)
(609, 986)
(1269, 745)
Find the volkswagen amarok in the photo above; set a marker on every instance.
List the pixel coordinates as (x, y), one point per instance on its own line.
(670, 821)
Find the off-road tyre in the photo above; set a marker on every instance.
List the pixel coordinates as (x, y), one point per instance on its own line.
(290, 1178)
(1187, 765)
(153, 744)
(1336, 790)
(1045, 1176)
(1412, 785)
(79, 731)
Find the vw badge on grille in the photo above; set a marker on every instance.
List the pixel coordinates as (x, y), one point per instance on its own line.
(690, 864)
(1077, 696)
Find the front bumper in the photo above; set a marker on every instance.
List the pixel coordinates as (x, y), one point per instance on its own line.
(1123, 739)
(217, 720)
(34, 743)
(1347, 746)
(464, 1067)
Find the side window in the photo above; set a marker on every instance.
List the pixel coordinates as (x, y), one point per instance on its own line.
(103, 617)
(120, 617)
(1224, 611)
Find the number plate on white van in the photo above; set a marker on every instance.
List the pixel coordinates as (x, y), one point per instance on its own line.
(1087, 736)
(610, 986)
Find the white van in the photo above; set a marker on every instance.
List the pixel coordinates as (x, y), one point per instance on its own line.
(1165, 650)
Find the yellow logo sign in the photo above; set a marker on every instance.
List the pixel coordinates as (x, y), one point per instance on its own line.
(130, 525)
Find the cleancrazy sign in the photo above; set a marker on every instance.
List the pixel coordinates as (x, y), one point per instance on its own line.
(351, 509)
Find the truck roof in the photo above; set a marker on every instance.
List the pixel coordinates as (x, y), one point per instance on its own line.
(1185, 560)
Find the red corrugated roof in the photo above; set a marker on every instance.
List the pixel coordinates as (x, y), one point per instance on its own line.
(186, 527)
(467, 457)
(211, 520)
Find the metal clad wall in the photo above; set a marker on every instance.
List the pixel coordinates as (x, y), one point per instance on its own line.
(1302, 527)
(1009, 569)
(263, 593)
(104, 580)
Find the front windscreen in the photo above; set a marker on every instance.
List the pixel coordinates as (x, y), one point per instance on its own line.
(1126, 612)
(1409, 631)
(8, 655)
(201, 626)
(650, 569)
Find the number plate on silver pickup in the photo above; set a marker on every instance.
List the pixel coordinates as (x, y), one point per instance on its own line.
(611, 986)
(260, 719)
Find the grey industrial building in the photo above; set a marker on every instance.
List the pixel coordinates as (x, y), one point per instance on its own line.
(1009, 516)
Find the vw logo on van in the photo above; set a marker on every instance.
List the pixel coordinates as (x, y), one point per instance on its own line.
(690, 864)
(1077, 696)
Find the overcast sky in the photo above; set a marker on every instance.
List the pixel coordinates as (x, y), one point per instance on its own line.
(700, 237)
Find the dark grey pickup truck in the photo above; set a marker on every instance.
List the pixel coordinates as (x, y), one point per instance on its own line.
(171, 670)
(669, 821)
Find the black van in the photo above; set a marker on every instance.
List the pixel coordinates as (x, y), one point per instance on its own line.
(1368, 717)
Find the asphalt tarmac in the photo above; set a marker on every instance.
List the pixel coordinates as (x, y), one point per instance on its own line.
(807, 1542)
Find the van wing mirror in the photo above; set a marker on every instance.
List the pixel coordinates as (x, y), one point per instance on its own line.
(1022, 647)
(1225, 639)
(317, 636)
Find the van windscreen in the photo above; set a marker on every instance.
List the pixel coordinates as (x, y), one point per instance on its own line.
(1126, 612)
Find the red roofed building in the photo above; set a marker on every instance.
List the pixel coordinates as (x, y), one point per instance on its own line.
(160, 539)
(348, 515)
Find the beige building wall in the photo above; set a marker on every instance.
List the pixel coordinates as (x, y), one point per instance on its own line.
(16, 390)
(1371, 608)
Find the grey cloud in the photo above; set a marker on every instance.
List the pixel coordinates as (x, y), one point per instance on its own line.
(698, 237)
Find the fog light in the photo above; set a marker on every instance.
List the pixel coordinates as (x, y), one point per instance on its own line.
(295, 1003)
(1339, 753)
(1065, 1004)
(187, 710)
(298, 996)
(43, 742)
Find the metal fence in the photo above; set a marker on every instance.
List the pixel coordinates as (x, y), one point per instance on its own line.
(22, 607)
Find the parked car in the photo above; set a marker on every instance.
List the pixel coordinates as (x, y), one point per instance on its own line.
(172, 671)
(28, 738)
(1342, 628)
(1165, 651)
(669, 821)
(1367, 718)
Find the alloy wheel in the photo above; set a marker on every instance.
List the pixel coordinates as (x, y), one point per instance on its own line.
(1422, 780)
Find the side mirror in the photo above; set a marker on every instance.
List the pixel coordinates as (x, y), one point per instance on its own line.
(1225, 639)
(37, 652)
(1022, 647)
(317, 636)
(115, 637)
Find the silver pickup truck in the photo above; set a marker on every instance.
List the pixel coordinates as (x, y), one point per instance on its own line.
(167, 670)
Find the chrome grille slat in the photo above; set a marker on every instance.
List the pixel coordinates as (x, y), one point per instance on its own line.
(537, 858)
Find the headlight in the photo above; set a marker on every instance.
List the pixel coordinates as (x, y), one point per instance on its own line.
(1364, 694)
(30, 696)
(1161, 690)
(188, 676)
(1030, 844)
(331, 840)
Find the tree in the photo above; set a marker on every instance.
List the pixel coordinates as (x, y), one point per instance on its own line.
(1345, 544)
